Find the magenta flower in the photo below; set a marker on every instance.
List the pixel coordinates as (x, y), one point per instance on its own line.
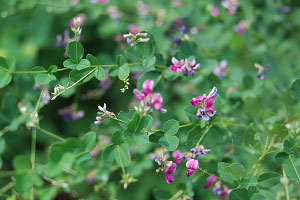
(192, 165)
(148, 98)
(224, 194)
(210, 181)
(169, 172)
(221, 70)
(206, 109)
(177, 155)
(184, 66)
(220, 190)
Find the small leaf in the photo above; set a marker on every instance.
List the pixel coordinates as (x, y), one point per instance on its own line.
(171, 127)
(89, 140)
(69, 64)
(122, 155)
(117, 138)
(295, 90)
(42, 78)
(123, 71)
(113, 71)
(149, 61)
(84, 63)
(6, 77)
(268, 179)
(75, 75)
(170, 142)
(108, 154)
(75, 51)
(239, 194)
(93, 60)
(132, 54)
(100, 74)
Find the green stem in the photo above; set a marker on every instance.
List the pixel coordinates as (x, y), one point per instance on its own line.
(81, 79)
(203, 135)
(185, 125)
(49, 133)
(115, 118)
(14, 172)
(88, 151)
(160, 66)
(121, 161)
(6, 187)
(286, 186)
(33, 146)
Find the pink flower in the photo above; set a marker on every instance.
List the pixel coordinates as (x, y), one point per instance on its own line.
(192, 165)
(178, 66)
(210, 181)
(221, 70)
(148, 98)
(177, 156)
(224, 194)
(214, 11)
(242, 26)
(231, 5)
(77, 21)
(206, 109)
(169, 172)
(184, 66)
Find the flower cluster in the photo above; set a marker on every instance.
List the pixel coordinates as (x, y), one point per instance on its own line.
(76, 23)
(261, 70)
(103, 114)
(231, 6)
(148, 99)
(133, 39)
(219, 189)
(206, 109)
(242, 26)
(221, 70)
(70, 114)
(183, 66)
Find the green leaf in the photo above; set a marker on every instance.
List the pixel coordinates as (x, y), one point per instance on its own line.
(121, 60)
(170, 142)
(239, 194)
(122, 155)
(151, 75)
(290, 164)
(295, 90)
(75, 51)
(156, 136)
(42, 78)
(236, 170)
(268, 179)
(93, 60)
(194, 135)
(123, 72)
(84, 63)
(145, 49)
(75, 75)
(113, 71)
(2, 145)
(5, 68)
(171, 127)
(191, 113)
(108, 154)
(89, 140)
(132, 54)
(21, 163)
(100, 74)
(149, 61)
(127, 117)
(225, 175)
(160, 194)
(69, 64)
(117, 138)
(52, 69)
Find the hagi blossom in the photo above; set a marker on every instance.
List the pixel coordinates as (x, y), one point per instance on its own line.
(102, 114)
(192, 165)
(221, 70)
(231, 6)
(261, 70)
(183, 66)
(134, 39)
(160, 155)
(134, 29)
(70, 114)
(169, 172)
(77, 21)
(214, 11)
(46, 95)
(177, 155)
(148, 98)
(206, 109)
(242, 26)
(210, 181)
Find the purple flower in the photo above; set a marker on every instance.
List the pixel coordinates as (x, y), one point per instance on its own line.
(206, 109)
(106, 83)
(231, 6)
(210, 181)
(192, 165)
(169, 172)
(148, 98)
(221, 70)
(69, 114)
(184, 66)
(177, 155)
(261, 70)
